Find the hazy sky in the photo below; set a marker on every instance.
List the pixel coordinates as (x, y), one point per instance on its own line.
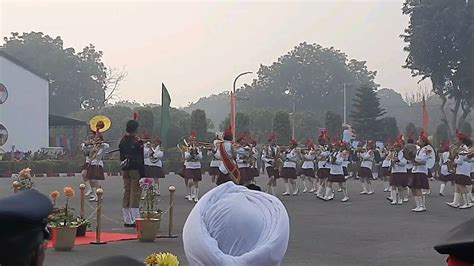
(197, 48)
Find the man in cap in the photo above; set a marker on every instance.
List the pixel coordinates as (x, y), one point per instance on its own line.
(459, 245)
(232, 225)
(23, 232)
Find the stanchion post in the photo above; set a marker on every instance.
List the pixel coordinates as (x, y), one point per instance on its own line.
(171, 189)
(82, 187)
(98, 228)
(16, 186)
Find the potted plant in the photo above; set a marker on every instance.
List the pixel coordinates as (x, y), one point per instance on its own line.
(162, 259)
(23, 180)
(82, 225)
(63, 223)
(149, 223)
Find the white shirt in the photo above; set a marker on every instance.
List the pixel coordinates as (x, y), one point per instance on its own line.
(463, 165)
(443, 163)
(254, 156)
(148, 152)
(292, 158)
(229, 150)
(386, 162)
(267, 155)
(309, 160)
(243, 154)
(193, 163)
(401, 166)
(336, 167)
(323, 160)
(100, 154)
(367, 159)
(420, 161)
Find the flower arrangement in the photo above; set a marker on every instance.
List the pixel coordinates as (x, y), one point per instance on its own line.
(23, 180)
(162, 259)
(150, 208)
(63, 217)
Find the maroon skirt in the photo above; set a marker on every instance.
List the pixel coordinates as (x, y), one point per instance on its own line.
(462, 180)
(365, 172)
(399, 180)
(154, 171)
(308, 172)
(384, 172)
(214, 171)
(244, 175)
(288, 173)
(418, 181)
(323, 173)
(222, 178)
(336, 178)
(272, 172)
(95, 172)
(194, 174)
(446, 178)
(254, 172)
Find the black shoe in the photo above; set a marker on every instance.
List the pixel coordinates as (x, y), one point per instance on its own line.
(129, 225)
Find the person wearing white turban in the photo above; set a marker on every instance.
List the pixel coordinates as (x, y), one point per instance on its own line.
(233, 225)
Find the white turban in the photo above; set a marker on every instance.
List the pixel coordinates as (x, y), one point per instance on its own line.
(232, 225)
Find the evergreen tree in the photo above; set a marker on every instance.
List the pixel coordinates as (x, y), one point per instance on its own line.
(389, 129)
(334, 124)
(441, 135)
(366, 113)
(198, 123)
(412, 130)
(282, 127)
(146, 119)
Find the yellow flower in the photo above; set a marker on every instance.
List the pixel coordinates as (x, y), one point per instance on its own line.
(69, 192)
(162, 259)
(150, 260)
(54, 194)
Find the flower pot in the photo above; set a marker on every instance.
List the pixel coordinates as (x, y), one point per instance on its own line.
(147, 229)
(81, 230)
(63, 238)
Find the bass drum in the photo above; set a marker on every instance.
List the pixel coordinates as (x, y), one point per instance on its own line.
(430, 163)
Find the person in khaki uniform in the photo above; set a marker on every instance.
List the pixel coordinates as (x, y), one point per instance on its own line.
(133, 168)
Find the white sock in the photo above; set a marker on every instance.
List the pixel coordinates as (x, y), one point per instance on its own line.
(442, 187)
(364, 187)
(272, 189)
(135, 213)
(393, 195)
(287, 188)
(127, 217)
(457, 198)
(196, 191)
(328, 192)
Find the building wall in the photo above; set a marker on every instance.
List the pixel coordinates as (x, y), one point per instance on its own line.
(25, 113)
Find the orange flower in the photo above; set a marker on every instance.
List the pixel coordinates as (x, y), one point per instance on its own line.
(69, 192)
(25, 173)
(54, 194)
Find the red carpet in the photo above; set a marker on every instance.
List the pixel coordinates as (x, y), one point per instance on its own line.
(104, 237)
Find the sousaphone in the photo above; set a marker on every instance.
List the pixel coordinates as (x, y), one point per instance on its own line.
(100, 123)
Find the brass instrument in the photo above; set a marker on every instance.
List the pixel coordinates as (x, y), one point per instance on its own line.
(393, 157)
(98, 124)
(456, 150)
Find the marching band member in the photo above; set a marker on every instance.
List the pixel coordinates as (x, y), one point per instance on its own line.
(462, 179)
(243, 156)
(323, 164)
(133, 168)
(385, 168)
(86, 149)
(270, 157)
(289, 168)
(365, 171)
(419, 178)
(95, 171)
(307, 169)
(215, 162)
(193, 158)
(398, 179)
(406, 190)
(336, 174)
(153, 162)
(445, 176)
(254, 172)
(225, 149)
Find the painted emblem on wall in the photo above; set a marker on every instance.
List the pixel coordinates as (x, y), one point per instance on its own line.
(3, 93)
(3, 134)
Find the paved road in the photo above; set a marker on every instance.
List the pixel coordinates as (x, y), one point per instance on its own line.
(364, 231)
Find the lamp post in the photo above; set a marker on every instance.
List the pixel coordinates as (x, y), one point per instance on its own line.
(289, 92)
(232, 103)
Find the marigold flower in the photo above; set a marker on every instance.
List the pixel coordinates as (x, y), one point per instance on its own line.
(151, 259)
(69, 192)
(54, 194)
(25, 173)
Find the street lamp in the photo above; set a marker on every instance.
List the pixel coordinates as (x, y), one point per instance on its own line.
(289, 92)
(232, 104)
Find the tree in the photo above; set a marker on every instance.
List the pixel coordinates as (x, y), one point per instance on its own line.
(261, 123)
(77, 80)
(199, 124)
(242, 124)
(441, 135)
(282, 127)
(439, 38)
(146, 119)
(412, 131)
(366, 113)
(333, 123)
(307, 125)
(466, 128)
(389, 129)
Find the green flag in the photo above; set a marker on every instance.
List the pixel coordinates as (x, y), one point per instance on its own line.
(165, 114)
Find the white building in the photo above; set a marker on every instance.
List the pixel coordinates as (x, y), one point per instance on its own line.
(24, 106)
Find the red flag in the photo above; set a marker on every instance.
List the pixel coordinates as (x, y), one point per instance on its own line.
(425, 116)
(232, 114)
